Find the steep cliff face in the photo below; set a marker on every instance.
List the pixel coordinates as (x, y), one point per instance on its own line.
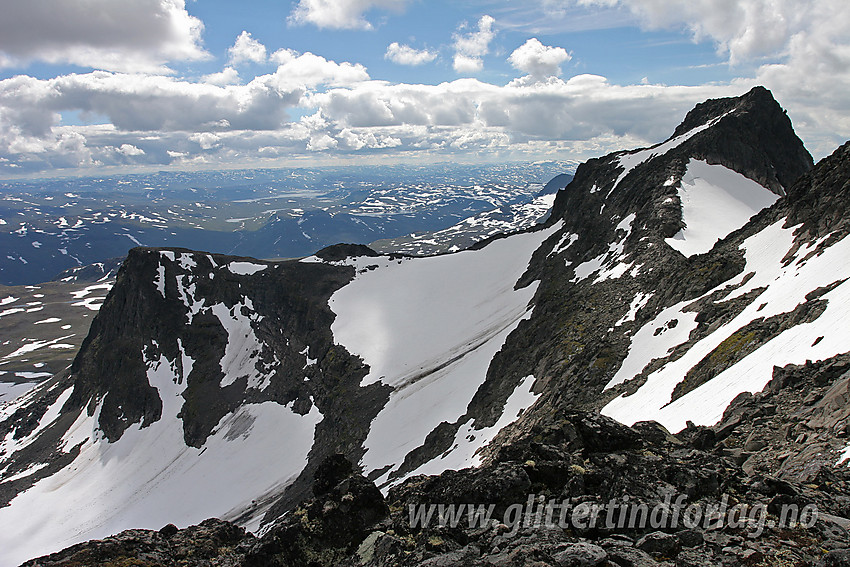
(203, 375)
(667, 281)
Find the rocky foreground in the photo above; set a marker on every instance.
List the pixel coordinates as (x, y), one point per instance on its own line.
(759, 488)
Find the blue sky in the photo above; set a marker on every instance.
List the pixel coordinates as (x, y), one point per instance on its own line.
(151, 84)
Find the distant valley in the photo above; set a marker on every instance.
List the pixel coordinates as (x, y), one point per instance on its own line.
(48, 226)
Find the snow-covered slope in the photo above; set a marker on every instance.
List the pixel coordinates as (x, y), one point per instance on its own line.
(782, 275)
(137, 480)
(429, 328)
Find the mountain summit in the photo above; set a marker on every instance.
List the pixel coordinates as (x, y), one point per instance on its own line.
(667, 282)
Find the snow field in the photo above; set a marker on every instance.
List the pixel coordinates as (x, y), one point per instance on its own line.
(429, 328)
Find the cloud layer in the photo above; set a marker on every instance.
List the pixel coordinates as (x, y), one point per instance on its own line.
(131, 35)
(302, 104)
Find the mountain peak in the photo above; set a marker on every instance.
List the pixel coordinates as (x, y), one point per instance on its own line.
(752, 135)
(713, 108)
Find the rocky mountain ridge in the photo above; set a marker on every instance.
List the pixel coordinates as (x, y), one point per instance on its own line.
(624, 302)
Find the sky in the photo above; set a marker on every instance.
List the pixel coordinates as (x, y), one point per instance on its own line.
(106, 86)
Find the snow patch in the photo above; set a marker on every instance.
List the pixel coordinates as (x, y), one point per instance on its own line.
(638, 303)
(245, 268)
(159, 280)
(33, 346)
(715, 201)
(79, 294)
(243, 348)
(631, 160)
(469, 441)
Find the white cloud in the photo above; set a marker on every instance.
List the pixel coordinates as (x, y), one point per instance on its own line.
(309, 70)
(466, 65)
(471, 47)
(358, 140)
(207, 140)
(282, 56)
(245, 49)
(227, 76)
(321, 142)
(131, 35)
(743, 29)
(538, 60)
(130, 150)
(339, 14)
(406, 55)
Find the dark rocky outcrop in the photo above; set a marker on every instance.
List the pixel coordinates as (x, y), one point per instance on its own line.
(339, 252)
(576, 459)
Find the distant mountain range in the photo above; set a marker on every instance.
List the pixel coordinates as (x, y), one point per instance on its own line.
(676, 327)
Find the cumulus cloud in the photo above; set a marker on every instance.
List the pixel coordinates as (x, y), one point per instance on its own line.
(130, 150)
(321, 142)
(466, 65)
(245, 49)
(471, 47)
(406, 55)
(207, 140)
(309, 70)
(339, 14)
(366, 139)
(742, 29)
(131, 35)
(537, 60)
(227, 76)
